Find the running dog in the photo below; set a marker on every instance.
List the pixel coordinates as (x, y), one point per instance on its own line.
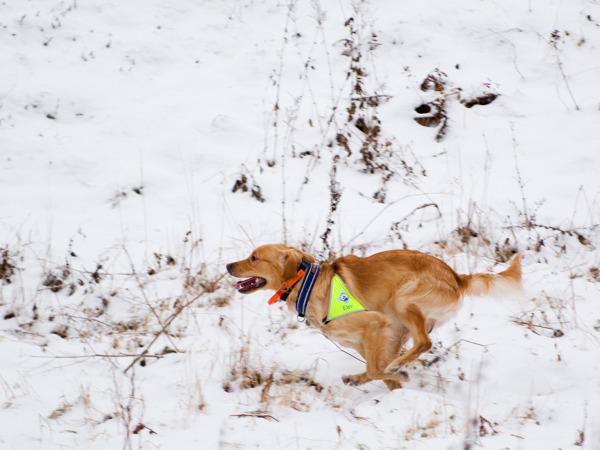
(372, 304)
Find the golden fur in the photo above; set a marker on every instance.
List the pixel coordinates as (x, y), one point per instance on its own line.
(405, 293)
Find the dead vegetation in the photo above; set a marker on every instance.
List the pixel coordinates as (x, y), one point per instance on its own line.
(8, 266)
(272, 387)
(434, 113)
(76, 303)
(362, 111)
(246, 183)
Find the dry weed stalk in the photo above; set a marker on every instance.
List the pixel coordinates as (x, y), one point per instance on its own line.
(179, 309)
(374, 151)
(130, 411)
(335, 195)
(554, 40)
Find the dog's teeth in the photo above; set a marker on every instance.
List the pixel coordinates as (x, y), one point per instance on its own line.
(250, 284)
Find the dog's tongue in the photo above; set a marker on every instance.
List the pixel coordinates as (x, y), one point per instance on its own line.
(249, 284)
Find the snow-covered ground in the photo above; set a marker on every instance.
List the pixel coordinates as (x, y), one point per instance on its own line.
(145, 144)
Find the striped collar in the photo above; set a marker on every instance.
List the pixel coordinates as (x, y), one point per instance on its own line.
(306, 287)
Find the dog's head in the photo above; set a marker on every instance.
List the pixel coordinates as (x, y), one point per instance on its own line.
(267, 267)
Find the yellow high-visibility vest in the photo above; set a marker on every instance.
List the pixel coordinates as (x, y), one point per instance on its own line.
(342, 302)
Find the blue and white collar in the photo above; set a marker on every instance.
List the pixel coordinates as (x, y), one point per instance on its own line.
(306, 287)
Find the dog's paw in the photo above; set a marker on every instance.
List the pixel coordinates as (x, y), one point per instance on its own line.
(397, 371)
(353, 380)
(393, 384)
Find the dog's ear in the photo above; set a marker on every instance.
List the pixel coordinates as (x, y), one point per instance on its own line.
(291, 258)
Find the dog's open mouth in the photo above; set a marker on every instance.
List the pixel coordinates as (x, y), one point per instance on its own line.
(250, 284)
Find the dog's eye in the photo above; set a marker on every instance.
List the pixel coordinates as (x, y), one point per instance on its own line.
(254, 257)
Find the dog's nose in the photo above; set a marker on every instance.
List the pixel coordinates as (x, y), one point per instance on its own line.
(229, 267)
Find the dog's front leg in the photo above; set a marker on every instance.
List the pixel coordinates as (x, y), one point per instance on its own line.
(374, 337)
(381, 344)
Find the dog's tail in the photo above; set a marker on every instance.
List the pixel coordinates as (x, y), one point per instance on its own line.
(506, 284)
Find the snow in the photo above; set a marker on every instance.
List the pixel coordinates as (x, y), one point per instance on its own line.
(124, 127)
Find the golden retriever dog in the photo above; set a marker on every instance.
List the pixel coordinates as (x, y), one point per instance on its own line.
(403, 294)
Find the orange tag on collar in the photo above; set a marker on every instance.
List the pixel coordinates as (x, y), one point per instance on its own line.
(289, 284)
(275, 297)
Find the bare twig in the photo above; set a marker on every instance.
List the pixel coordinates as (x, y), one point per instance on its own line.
(554, 44)
(258, 414)
(141, 286)
(528, 219)
(96, 355)
(344, 351)
(530, 326)
(163, 329)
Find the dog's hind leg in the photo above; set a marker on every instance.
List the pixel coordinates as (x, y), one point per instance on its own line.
(412, 317)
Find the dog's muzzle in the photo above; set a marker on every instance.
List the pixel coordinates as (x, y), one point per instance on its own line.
(248, 285)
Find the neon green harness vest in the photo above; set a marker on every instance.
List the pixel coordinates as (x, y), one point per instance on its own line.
(341, 302)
